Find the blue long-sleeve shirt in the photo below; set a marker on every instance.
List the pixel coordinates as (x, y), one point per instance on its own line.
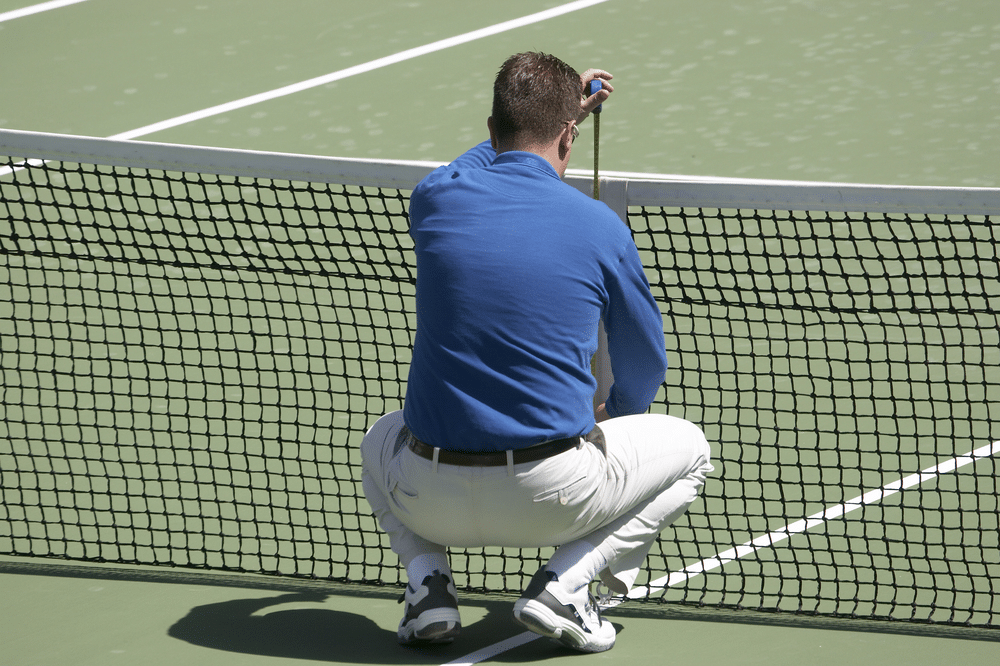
(514, 271)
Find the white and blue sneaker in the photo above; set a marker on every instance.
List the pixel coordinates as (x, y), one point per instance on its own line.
(571, 618)
(431, 612)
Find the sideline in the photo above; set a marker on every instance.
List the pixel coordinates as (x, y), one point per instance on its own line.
(834, 512)
(765, 541)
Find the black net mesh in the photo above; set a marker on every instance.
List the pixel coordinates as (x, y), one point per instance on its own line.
(188, 363)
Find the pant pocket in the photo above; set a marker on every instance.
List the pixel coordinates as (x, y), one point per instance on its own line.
(396, 484)
(569, 492)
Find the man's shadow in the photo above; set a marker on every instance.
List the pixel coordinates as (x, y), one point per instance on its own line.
(303, 633)
(246, 626)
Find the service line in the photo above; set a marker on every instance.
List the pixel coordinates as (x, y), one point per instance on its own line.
(36, 9)
(360, 69)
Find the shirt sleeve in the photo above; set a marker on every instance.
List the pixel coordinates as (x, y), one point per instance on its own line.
(634, 328)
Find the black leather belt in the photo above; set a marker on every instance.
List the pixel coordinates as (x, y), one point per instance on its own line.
(494, 458)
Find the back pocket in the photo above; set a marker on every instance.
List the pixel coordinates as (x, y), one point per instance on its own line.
(572, 491)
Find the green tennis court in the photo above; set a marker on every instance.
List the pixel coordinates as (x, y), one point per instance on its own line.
(156, 363)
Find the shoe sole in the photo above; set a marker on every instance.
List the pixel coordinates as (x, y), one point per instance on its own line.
(539, 618)
(441, 625)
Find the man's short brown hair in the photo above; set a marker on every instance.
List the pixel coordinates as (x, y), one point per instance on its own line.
(534, 96)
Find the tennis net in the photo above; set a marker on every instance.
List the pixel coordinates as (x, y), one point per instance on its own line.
(193, 342)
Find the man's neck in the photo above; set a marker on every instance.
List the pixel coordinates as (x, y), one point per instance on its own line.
(555, 152)
(551, 153)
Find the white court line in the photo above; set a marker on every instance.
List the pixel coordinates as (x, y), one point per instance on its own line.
(359, 69)
(329, 78)
(765, 541)
(779, 535)
(36, 9)
(495, 649)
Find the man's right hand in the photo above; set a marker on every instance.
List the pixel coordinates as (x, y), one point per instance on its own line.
(588, 104)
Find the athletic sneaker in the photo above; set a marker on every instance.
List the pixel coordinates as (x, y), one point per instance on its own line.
(431, 614)
(572, 618)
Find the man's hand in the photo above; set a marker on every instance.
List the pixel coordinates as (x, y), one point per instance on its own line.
(588, 104)
(601, 413)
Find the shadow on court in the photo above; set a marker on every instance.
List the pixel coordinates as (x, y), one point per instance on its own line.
(249, 626)
(260, 627)
(275, 623)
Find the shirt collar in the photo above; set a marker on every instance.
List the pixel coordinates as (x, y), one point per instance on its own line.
(527, 159)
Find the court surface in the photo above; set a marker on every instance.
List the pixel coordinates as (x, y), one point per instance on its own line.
(887, 92)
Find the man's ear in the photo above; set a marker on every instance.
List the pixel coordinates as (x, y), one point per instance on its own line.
(566, 140)
(493, 133)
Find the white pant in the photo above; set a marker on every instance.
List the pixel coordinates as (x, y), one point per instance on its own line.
(610, 501)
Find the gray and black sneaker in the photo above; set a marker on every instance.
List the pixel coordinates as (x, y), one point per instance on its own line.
(572, 618)
(431, 614)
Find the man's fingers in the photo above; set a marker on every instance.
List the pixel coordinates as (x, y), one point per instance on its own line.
(590, 74)
(594, 101)
(591, 102)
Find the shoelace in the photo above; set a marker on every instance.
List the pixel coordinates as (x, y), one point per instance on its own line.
(605, 597)
(594, 609)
